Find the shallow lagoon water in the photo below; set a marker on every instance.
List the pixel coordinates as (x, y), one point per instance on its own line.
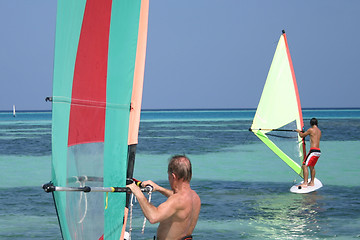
(244, 188)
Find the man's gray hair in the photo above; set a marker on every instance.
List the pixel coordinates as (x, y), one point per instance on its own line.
(180, 165)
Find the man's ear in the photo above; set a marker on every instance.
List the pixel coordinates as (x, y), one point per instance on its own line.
(174, 175)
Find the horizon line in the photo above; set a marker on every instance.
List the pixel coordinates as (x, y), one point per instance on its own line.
(192, 109)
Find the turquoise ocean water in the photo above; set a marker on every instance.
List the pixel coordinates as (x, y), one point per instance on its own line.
(243, 186)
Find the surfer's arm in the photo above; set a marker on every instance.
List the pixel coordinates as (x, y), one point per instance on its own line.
(152, 213)
(164, 191)
(302, 134)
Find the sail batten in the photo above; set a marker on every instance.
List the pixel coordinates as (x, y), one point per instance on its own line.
(279, 110)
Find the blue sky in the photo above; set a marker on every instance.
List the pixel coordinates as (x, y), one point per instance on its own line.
(201, 53)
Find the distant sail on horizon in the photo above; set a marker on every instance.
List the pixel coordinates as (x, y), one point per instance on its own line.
(99, 65)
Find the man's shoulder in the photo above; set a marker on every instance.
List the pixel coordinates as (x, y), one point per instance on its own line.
(195, 193)
(185, 196)
(315, 129)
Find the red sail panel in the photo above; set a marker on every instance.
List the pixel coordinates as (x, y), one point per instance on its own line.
(87, 112)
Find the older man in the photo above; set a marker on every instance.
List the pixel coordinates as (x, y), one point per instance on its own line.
(178, 215)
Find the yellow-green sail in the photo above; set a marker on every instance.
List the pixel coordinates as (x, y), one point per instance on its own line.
(279, 111)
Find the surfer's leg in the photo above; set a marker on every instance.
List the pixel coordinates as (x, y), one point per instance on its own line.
(306, 174)
(312, 172)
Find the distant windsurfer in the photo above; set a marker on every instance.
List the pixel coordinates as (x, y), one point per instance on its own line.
(178, 215)
(314, 153)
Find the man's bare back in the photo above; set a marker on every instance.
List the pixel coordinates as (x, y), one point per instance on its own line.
(183, 222)
(315, 135)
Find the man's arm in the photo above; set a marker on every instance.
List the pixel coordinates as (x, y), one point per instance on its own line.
(303, 134)
(152, 213)
(166, 192)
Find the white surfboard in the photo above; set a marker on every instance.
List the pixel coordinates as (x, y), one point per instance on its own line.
(296, 189)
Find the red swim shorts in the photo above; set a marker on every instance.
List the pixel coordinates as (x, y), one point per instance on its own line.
(312, 157)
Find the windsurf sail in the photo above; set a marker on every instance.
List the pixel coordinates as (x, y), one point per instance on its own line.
(14, 111)
(98, 73)
(279, 111)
